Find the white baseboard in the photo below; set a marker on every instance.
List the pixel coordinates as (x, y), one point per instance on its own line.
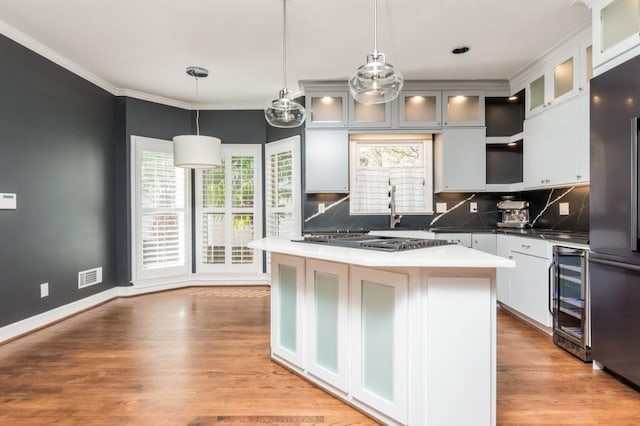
(35, 322)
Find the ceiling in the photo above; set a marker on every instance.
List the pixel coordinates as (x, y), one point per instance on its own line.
(145, 45)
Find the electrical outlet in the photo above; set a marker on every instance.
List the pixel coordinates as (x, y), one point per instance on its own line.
(473, 207)
(321, 207)
(441, 207)
(564, 209)
(44, 289)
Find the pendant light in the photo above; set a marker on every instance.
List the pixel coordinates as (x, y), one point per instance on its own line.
(284, 111)
(196, 151)
(376, 81)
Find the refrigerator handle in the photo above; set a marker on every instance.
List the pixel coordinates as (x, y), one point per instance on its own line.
(552, 287)
(634, 184)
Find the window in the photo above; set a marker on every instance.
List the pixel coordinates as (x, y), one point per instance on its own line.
(377, 165)
(161, 234)
(283, 188)
(228, 211)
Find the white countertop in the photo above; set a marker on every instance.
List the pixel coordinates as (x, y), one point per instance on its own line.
(441, 256)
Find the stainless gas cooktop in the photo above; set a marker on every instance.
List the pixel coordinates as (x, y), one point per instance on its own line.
(372, 242)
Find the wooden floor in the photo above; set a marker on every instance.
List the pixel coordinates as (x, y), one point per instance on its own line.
(201, 356)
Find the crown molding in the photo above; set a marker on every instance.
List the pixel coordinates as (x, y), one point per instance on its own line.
(154, 98)
(55, 57)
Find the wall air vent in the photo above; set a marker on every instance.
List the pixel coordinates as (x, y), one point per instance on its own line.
(89, 277)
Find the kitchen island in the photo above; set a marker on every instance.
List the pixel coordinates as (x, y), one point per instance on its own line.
(407, 337)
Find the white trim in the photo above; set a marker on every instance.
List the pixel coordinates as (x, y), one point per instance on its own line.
(35, 322)
(48, 53)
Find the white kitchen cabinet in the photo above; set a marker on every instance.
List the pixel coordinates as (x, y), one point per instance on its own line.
(556, 145)
(369, 115)
(326, 160)
(484, 242)
(327, 109)
(379, 312)
(503, 275)
(327, 311)
(463, 239)
(463, 108)
(287, 308)
(420, 108)
(616, 31)
(530, 279)
(556, 81)
(460, 160)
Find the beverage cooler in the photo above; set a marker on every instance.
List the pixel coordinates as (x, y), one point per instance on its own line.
(570, 301)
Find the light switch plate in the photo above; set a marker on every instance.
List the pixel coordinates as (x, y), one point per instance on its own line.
(473, 207)
(321, 207)
(44, 289)
(564, 209)
(441, 207)
(7, 201)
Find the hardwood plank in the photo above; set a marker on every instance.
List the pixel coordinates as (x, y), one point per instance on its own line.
(201, 357)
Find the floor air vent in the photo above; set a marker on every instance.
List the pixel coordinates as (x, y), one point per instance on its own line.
(89, 277)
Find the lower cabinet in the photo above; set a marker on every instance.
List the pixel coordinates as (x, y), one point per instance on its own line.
(484, 242)
(287, 308)
(379, 309)
(503, 275)
(327, 313)
(530, 279)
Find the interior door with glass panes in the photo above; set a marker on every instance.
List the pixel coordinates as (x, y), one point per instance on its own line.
(229, 212)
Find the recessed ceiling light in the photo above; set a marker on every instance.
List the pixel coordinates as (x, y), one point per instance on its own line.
(460, 50)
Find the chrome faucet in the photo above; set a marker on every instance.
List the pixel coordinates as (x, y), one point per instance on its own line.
(394, 219)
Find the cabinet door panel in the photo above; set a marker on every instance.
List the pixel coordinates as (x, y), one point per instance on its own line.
(327, 150)
(327, 292)
(530, 287)
(503, 275)
(287, 320)
(460, 160)
(379, 340)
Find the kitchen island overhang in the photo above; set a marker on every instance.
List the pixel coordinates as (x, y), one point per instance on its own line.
(407, 337)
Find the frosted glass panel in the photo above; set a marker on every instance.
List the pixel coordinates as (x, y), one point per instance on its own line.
(620, 20)
(287, 285)
(536, 89)
(563, 78)
(327, 300)
(326, 109)
(463, 108)
(374, 113)
(420, 108)
(378, 303)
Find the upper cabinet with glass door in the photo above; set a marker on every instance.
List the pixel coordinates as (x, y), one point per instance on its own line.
(327, 109)
(369, 115)
(463, 108)
(554, 83)
(420, 109)
(616, 32)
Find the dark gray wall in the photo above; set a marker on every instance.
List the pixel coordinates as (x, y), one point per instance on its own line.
(57, 153)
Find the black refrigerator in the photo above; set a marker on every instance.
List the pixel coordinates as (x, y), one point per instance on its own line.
(614, 260)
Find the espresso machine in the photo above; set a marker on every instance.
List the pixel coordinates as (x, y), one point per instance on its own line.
(515, 214)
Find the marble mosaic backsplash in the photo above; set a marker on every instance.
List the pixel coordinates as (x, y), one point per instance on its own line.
(544, 211)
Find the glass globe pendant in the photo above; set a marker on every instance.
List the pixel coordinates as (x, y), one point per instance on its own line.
(376, 81)
(284, 112)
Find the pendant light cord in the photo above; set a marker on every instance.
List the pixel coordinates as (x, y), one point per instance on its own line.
(284, 43)
(197, 109)
(375, 28)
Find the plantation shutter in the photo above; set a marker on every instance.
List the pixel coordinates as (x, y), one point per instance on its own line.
(161, 205)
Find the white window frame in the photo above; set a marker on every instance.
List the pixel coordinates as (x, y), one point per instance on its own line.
(138, 144)
(228, 151)
(272, 148)
(427, 158)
